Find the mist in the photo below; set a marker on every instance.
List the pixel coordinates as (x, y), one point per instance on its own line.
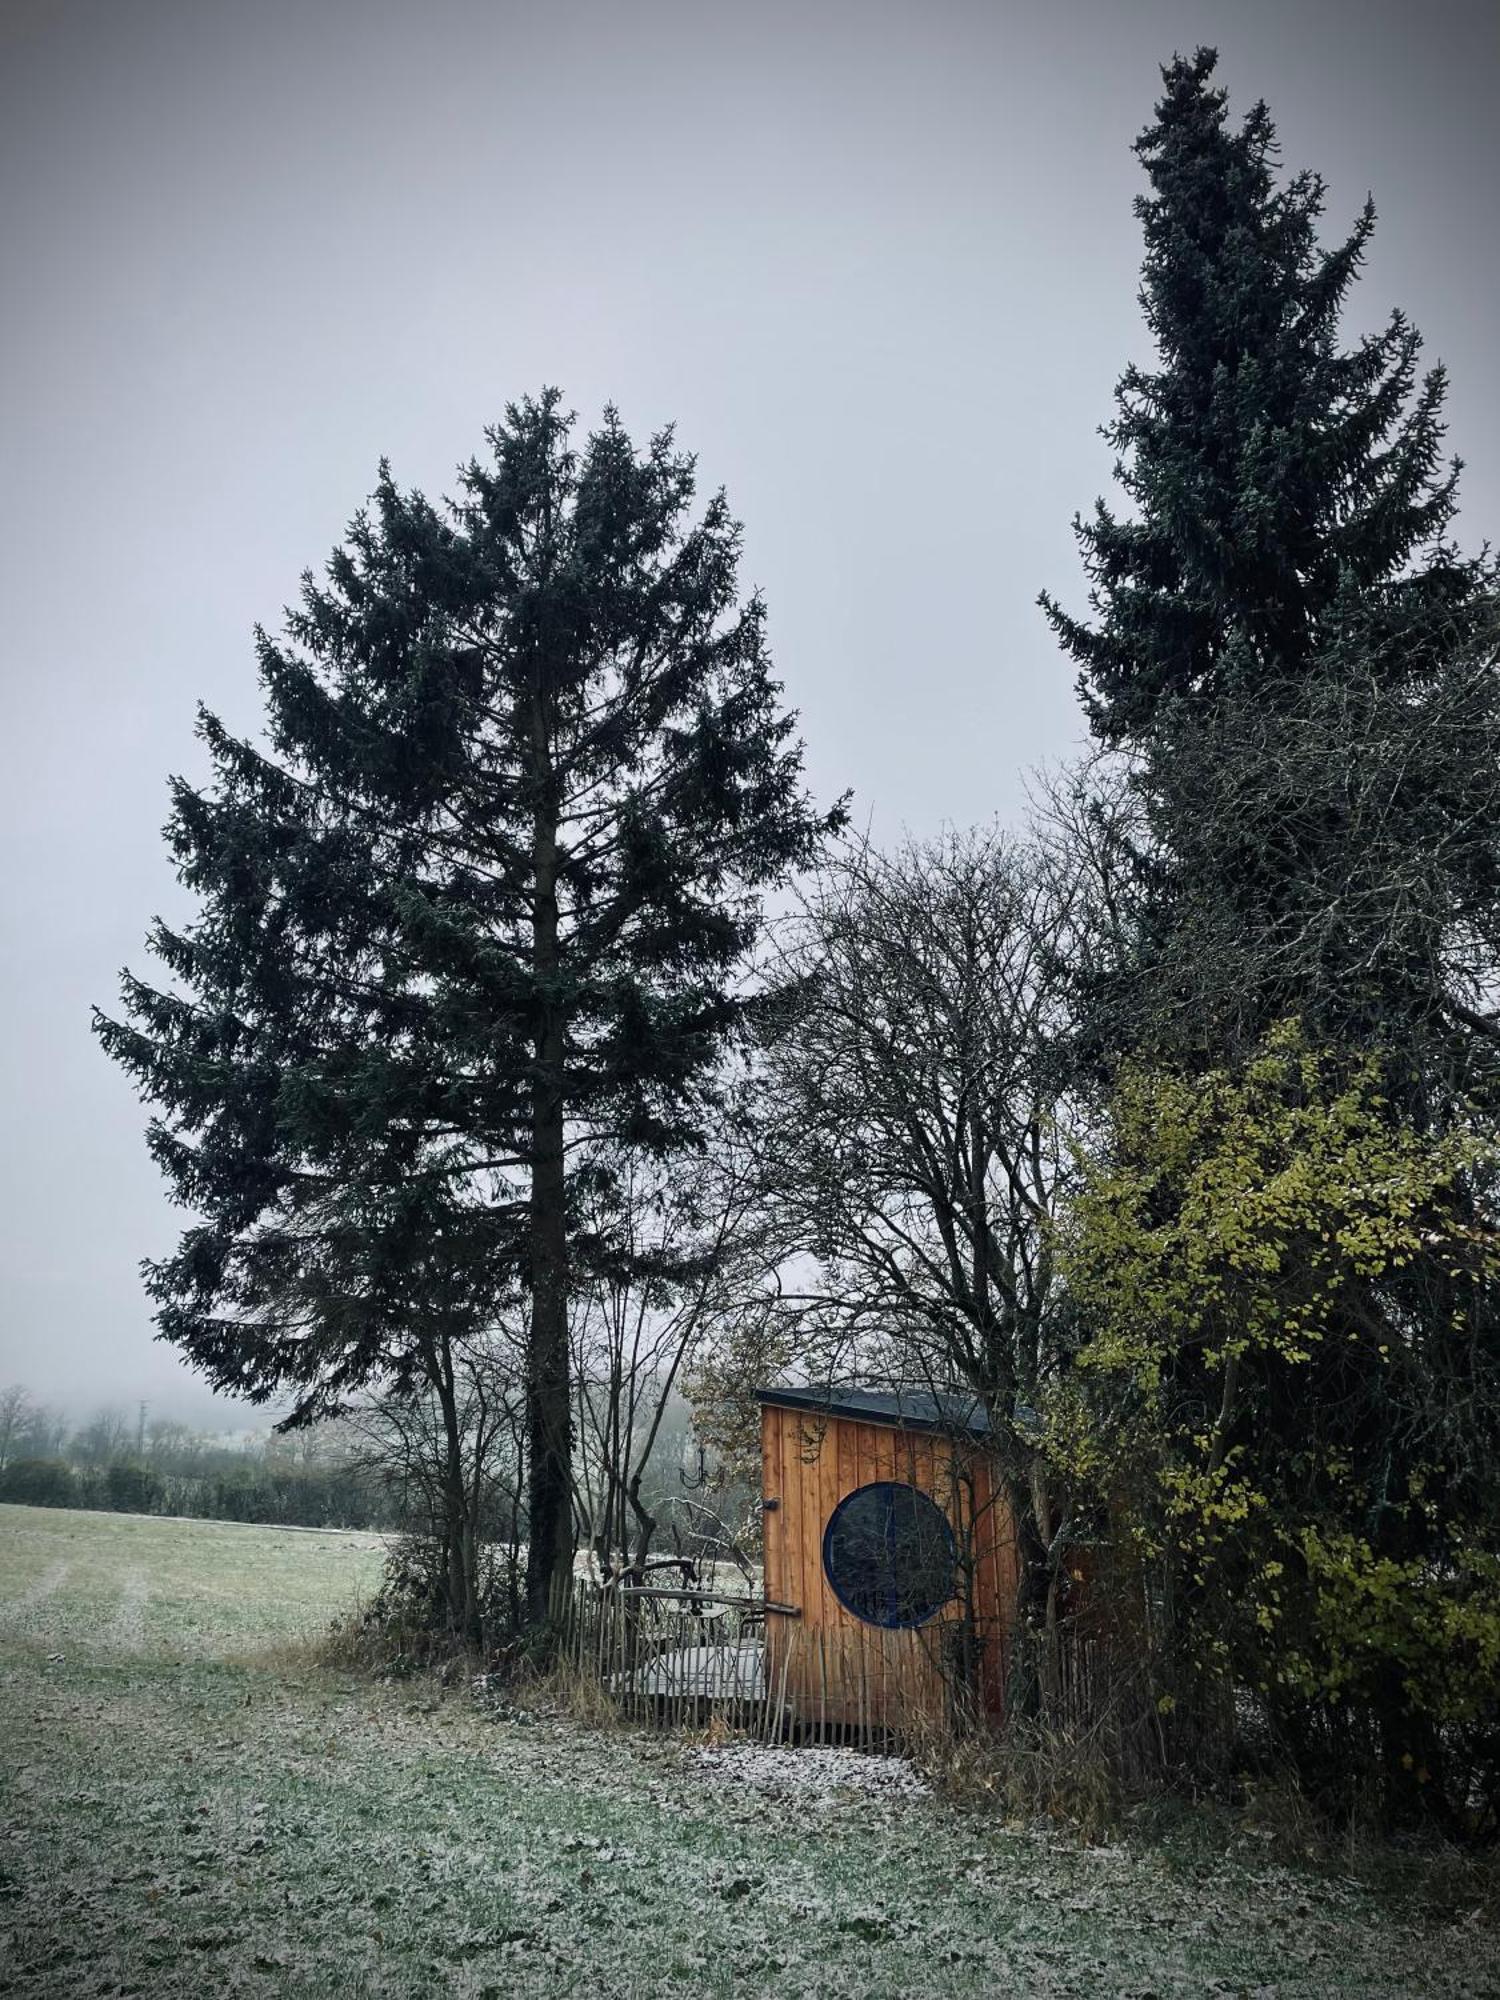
(877, 263)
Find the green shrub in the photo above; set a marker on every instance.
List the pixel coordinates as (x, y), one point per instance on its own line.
(39, 1482)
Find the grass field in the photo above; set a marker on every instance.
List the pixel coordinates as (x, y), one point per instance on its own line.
(191, 1808)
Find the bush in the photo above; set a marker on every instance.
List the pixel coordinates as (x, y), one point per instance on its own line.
(39, 1482)
(406, 1623)
(1287, 1409)
(130, 1488)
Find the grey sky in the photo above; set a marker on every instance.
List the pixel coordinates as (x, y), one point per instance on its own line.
(876, 261)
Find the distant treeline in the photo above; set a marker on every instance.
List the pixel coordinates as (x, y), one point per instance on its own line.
(161, 1467)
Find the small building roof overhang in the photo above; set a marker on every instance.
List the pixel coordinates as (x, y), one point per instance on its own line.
(947, 1411)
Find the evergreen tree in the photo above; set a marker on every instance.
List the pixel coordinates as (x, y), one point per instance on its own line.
(1299, 673)
(474, 923)
(1298, 664)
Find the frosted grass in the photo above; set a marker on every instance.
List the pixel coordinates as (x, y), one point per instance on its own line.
(183, 1818)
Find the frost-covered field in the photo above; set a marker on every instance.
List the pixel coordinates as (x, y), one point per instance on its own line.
(129, 1583)
(180, 1818)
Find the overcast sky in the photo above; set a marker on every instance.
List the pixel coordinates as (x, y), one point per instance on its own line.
(877, 262)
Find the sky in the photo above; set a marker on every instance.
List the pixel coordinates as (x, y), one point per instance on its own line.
(876, 261)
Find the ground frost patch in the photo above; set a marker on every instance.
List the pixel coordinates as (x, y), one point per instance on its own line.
(807, 1774)
(174, 1823)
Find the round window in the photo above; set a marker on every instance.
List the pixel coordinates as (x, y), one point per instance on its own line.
(889, 1554)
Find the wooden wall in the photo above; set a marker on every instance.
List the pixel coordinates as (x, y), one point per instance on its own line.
(832, 1662)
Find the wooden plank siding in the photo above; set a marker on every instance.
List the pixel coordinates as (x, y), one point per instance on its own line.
(838, 1669)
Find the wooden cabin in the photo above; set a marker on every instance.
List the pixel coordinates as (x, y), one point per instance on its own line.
(890, 1557)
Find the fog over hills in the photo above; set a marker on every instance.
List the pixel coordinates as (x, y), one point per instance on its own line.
(877, 262)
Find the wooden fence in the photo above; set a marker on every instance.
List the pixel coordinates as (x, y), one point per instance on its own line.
(686, 1654)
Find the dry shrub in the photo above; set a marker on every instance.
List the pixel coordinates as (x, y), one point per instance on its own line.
(392, 1648)
(1440, 1879)
(717, 1732)
(292, 1656)
(568, 1689)
(1026, 1771)
(403, 1628)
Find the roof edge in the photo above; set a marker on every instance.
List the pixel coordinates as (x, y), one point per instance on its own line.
(923, 1409)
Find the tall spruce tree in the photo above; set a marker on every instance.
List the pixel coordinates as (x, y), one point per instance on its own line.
(1300, 675)
(1297, 662)
(473, 923)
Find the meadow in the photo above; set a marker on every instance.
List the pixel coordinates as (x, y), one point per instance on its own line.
(193, 1805)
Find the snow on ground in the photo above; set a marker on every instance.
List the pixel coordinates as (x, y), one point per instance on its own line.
(198, 1816)
(810, 1775)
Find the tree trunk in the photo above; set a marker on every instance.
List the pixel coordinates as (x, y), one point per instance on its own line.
(645, 1524)
(460, 1550)
(549, 1406)
(549, 1401)
(1036, 1664)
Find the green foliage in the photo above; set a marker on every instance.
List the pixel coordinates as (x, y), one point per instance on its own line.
(39, 1482)
(1278, 482)
(198, 1478)
(1308, 1457)
(471, 925)
(1241, 1212)
(1438, 1628)
(1284, 1248)
(131, 1488)
(1297, 663)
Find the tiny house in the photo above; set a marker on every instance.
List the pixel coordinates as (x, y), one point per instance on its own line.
(890, 1556)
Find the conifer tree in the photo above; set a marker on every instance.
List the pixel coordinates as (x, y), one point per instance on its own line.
(1298, 672)
(1276, 611)
(472, 923)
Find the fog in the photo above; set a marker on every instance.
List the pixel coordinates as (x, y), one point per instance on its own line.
(877, 262)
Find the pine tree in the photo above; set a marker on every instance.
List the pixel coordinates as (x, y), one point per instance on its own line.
(1271, 472)
(474, 923)
(1277, 602)
(1298, 673)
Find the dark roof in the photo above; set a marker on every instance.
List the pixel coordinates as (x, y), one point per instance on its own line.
(906, 1409)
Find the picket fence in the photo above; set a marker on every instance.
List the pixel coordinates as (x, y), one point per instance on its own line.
(688, 1654)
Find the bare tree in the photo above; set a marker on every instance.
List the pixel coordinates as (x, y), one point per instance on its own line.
(105, 1436)
(16, 1408)
(917, 1143)
(452, 1444)
(916, 1146)
(168, 1438)
(636, 1336)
